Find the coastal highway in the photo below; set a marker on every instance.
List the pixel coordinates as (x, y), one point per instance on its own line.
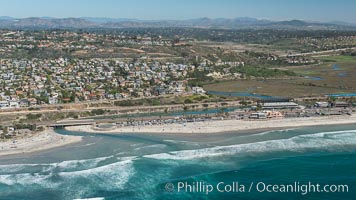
(117, 108)
(7, 118)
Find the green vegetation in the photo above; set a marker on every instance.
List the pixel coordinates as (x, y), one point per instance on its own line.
(338, 59)
(198, 78)
(33, 116)
(187, 101)
(184, 99)
(329, 81)
(97, 112)
(31, 127)
(349, 53)
(139, 102)
(262, 72)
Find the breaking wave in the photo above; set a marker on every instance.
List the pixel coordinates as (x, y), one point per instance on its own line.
(151, 146)
(109, 177)
(324, 140)
(68, 165)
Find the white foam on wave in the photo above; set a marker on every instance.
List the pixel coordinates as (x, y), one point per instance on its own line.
(323, 140)
(95, 198)
(254, 135)
(136, 144)
(67, 165)
(111, 176)
(85, 145)
(275, 131)
(151, 146)
(182, 142)
(132, 158)
(177, 141)
(28, 179)
(114, 175)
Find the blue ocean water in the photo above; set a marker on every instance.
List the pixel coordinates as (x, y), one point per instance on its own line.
(151, 166)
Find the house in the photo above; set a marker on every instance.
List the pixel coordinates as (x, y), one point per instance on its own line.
(52, 100)
(10, 130)
(274, 114)
(14, 104)
(198, 90)
(24, 103)
(32, 101)
(340, 104)
(110, 96)
(4, 104)
(159, 90)
(93, 96)
(321, 104)
(258, 115)
(118, 96)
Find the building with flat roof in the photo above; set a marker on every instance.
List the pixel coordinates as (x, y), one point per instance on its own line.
(321, 104)
(280, 105)
(340, 104)
(258, 115)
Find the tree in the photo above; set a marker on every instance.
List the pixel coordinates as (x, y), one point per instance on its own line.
(244, 103)
(187, 101)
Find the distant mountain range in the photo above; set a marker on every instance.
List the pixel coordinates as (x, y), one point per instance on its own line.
(236, 23)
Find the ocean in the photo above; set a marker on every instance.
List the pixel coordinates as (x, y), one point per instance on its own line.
(278, 164)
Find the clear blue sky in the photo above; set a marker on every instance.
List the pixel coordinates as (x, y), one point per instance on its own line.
(318, 10)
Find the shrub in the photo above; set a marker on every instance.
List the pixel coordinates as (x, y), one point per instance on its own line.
(33, 116)
(188, 101)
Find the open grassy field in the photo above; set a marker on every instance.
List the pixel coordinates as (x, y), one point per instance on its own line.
(336, 74)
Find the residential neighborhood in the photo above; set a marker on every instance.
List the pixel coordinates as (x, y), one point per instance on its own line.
(34, 82)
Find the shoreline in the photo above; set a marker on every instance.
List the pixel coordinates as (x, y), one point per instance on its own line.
(221, 126)
(44, 140)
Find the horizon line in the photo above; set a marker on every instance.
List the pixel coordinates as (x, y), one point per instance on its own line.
(163, 19)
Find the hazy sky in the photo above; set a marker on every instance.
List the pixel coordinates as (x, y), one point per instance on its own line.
(318, 10)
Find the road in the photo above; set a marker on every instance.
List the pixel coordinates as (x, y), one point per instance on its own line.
(318, 52)
(118, 108)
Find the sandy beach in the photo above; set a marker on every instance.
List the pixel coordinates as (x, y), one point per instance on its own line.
(224, 125)
(44, 140)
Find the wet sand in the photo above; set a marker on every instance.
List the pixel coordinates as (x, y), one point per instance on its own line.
(44, 140)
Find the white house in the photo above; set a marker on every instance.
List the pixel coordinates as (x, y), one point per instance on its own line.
(198, 90)
(4, 104)
(14, 104)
